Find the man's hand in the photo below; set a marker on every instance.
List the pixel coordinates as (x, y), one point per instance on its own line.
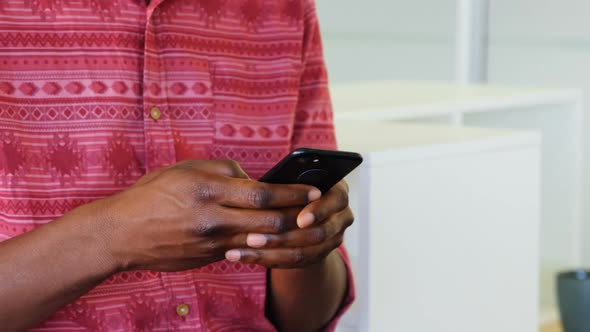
(189, 214)
(322, 224)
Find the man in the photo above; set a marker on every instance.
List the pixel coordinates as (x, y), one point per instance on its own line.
(117, 211)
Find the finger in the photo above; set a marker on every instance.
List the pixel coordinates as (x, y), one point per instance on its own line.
(248, 194)
(231, 221)
(228, 168)
(318, 234)
(332, 202)
(285, 257)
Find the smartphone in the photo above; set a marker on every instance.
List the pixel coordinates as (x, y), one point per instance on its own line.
(319, 168)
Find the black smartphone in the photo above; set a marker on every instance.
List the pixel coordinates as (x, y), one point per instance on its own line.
(319, 168)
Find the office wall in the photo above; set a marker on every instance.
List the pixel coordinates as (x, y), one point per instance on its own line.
(414, 39)
(539, 43)
(542, 43)
(546, 43)
(380, 39)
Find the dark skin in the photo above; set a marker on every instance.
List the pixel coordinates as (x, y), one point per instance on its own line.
(182, 217)
(305, 299)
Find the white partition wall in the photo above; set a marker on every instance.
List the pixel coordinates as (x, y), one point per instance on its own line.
(446, 237)
(556, 114)
(540, 43)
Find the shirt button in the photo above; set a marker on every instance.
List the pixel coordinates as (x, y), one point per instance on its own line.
(182, 310)
(155, 113)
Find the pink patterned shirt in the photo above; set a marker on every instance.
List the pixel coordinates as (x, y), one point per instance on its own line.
(95, 93)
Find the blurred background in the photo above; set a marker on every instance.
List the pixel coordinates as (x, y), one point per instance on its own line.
(543, 42)
(535, 49)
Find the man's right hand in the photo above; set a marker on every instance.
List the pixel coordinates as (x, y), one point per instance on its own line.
(189, 214)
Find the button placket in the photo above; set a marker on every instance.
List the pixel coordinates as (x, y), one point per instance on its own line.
(158, 130)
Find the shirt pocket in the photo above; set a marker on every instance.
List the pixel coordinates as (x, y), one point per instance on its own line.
(190, 103)
(255, 102)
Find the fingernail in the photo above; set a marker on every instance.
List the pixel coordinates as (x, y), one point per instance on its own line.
(233, 255)
(305, 220)
(314, 194)
(256, 240)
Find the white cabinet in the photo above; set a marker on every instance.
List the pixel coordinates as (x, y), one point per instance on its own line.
(556, 114)
(446, 231)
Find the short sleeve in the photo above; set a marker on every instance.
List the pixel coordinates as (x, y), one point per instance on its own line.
(313, 126)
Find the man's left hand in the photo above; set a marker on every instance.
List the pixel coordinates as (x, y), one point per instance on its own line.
(321, 227)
